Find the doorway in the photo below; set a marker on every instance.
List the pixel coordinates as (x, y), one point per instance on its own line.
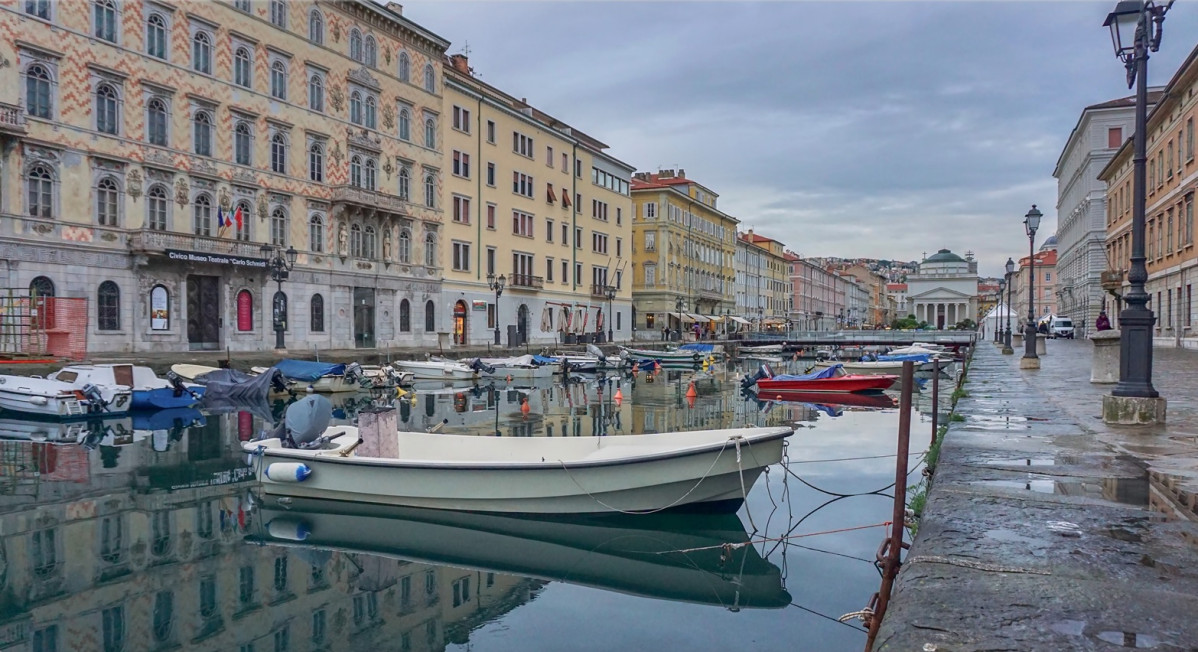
(522, 323)
(203, 313)
(459, 322)
(364, 318)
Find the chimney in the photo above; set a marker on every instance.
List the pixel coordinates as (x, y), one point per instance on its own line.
(665, 174)
(642, 176)
(395, 7)
(460, 63)
(681, 173)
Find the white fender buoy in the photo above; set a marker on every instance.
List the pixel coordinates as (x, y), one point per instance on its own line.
(290, 529)
(288, 471)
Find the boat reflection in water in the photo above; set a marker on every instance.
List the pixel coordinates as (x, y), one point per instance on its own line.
(695, 558)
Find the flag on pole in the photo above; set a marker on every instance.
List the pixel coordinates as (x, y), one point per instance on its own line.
(237, 217)
(221, 222)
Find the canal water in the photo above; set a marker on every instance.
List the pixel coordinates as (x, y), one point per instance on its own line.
(149, 535)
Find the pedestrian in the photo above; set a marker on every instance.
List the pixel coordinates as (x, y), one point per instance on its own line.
(665, 333)
(1103, 323)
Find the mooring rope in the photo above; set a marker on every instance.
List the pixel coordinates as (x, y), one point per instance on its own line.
(733, 546)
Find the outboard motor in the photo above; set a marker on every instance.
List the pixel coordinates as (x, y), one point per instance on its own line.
(763, 372)
(304, 421)
(279, 383)
(479, 366)
(177, 384)
(354, 374)
(95, 399)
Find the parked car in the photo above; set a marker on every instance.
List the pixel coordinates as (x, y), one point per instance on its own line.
(1061, 327)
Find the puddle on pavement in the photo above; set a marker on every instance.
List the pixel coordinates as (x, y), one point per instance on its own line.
(1026, 461)
(1128, 491)
(1133, 640)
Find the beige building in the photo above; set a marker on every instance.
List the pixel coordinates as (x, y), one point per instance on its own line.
(152, 149)
(541, 204)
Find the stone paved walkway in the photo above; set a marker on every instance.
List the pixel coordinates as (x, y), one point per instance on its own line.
(1046, 529)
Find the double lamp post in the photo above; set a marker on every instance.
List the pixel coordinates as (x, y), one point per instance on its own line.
(280, 263)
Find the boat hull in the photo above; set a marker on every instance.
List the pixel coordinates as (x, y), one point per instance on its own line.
(164, 398)
(702, 477)
(880, 368)
(523, 373)
(841, 385)
(427, 371)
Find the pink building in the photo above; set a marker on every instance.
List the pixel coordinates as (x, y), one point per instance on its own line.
(818, 295)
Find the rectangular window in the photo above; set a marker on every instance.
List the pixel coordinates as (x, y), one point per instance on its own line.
(522, 269)
(578, 202)
(491, 217)
(578, 237)
(650, 241)
(549, 231)
(599, 242)
(619, 247)
(1189, 297)
(619, 216)
(491, 174)
(1189, 219)
(461, 164)
(577, 273)
(650, 275)
(461, 210)
(1114, 137)
(548, 270)
(565, 163)
(490, 260)
(1169, 160)
(599, 210)
(461, 119)
(565, 272)
(565, 234)
(549, 156)
(578, 168)
(650, 209)
(522, 144)
(461, 256)
(522, 184)
(522, 224)
(1189, 139)
(491, 131)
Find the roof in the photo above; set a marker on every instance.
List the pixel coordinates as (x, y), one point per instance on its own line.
(944, 256)
(1050, 242)
(1046, 257)
(1129, 102)
(896, 287)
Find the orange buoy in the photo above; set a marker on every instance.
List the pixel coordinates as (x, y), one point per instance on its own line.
(690, 401)
(619, 395)
(524, 407)
(690, 391)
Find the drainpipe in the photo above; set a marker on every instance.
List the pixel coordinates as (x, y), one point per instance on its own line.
(478, 222)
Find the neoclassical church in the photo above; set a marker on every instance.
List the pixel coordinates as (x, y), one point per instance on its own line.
(945, 289)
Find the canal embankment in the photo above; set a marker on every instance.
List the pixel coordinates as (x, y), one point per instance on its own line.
(1046, 529)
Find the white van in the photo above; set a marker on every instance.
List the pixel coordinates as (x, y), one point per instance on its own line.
(1061, 327)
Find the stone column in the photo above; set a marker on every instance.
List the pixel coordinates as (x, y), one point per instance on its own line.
(1104, 366)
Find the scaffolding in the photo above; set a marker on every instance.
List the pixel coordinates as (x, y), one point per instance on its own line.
(39, 327)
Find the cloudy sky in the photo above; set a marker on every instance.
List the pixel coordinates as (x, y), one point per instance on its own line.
(882, 129)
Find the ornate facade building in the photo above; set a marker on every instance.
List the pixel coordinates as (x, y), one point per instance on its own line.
(944, 291)
(151, 150)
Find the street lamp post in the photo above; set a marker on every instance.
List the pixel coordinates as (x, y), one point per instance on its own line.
(678, 303)
(1031, 222)
(280, 264)
(610, 292)
(496, 285)
(1002, 286)
(1135, 31)
(1006, 347)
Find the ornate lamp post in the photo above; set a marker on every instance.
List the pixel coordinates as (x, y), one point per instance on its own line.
(1006, 347)
(678, 303)
(496, 285)
(1031, 222)
(610, 292)
(280, 264)
(1135, 31)
(1002, 285)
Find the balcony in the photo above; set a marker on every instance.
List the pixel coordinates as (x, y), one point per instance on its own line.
(12, 119)
(525, 282)
(600, 291)
(368, 199)
(714, 295)
(157, 242)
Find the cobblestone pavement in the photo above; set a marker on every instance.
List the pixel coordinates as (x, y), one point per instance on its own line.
(1048, 530)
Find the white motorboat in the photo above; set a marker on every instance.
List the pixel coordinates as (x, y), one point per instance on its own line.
(59, 399)
(885, 367)
(386, 376)
(761, 348)
(149, 391)
(531, 475)
(435, 369)
(522, 367)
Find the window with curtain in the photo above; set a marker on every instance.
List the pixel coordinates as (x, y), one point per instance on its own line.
(108, 307)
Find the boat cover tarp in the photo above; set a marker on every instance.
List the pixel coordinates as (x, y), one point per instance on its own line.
(543, 359)
(698, 348)
(308, 371)
(822, 374)
(230, 390)
(914, 357)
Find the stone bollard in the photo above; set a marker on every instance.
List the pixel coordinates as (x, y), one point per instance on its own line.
(1104, 366)
(1017, 340)
(1041, 344)
(379, 433)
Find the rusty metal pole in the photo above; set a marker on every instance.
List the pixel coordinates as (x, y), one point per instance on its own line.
(890, 554)
(935, 397)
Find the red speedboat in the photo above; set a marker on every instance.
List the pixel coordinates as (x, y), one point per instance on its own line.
(832, 379)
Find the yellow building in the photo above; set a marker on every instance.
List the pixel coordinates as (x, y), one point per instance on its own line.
(683, 254)
(151, 149)
(540, 204)
(774, 287)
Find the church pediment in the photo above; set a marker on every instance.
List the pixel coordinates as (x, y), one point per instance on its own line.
(940, 293)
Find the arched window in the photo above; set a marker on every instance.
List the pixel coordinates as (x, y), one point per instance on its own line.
(106, 109)
(430, 191)
(372, 176)
(201, 217)
(156, 207)
(316, 233)
(370, 52)
(278, 13)
(371, 113)
(430, 78)
(278, 80)
(242, 144)
(104, 19)
(243, 68)
(106, 202)
(316, 93)
(156, 122)
(430, 250)
(355, 241)
(160, 308)
(430, 316)
(279, 309)
(316, 163)
(202, 133)
(405, 246)
(316, 27)
(278, 153)
(355, 171)
(245, 311)
(405, 316)
(405, 184)
(201, 53)
(37, 91)
(430, 133)
(156, 36)
(40, 181)
(317, 323)
(405, 125)
(41, 299)
(164, 616)
(405, 67)
(108, 307)
(355, 107)
(278, 227)
(355, 45)
(241, 219)
(368, 242)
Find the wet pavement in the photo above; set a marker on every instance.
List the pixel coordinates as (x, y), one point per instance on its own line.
(1046, 529)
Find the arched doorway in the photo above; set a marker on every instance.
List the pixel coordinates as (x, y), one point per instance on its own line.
(460, 315)
(522, 323)
(41, 303)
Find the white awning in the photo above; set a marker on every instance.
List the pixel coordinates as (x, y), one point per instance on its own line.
(715, 318)
(699, 318)
(739, 320)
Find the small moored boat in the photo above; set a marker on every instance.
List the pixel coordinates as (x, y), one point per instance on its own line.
(435, 369)
(324, 377)
(60, 399)
(148, 390)
(869, 367)
(831, 379)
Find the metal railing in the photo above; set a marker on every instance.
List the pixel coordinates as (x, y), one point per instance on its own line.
(373, 198)
(148, 240)
(525, 281)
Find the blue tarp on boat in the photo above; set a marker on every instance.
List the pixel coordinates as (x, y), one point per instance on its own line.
(830, 372)
(541, 359)
(308, 371)
(697, 347)
(914, 357)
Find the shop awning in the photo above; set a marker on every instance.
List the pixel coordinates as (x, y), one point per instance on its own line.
(697, 318)
(715, 318)
(739, 320)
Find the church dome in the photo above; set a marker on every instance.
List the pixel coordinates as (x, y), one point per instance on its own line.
(944, 256)
(1050, 243)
